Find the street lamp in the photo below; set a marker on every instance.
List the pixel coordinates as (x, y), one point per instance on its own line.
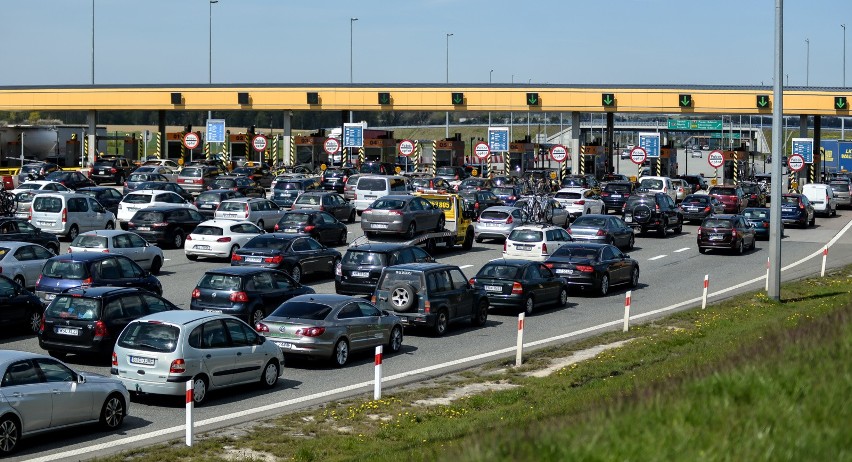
(351, 22)
(489, 75)
(844, 54)
(93, 42)
(448, 81)
(210, 48)
(808, 63)
(489, 82)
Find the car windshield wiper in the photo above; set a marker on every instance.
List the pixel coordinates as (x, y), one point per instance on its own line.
(153, 347)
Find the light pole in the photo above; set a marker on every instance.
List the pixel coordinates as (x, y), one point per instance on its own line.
(93, 42)
(489, 82)
(844, 54)
(808, 63)
(351, 23)
(210, 48)
(448, 81)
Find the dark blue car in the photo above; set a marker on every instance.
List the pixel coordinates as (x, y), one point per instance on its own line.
(759, 217)
(507, 193)
(796, 209)
(92, 269)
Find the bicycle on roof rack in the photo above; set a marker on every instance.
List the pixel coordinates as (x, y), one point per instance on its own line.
(539, 208)
(8, 204)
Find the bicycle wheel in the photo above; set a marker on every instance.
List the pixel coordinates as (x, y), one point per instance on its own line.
(548, 212)
(536, 211)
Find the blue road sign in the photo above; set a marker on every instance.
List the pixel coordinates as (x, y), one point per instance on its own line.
(650, 142)
(498, 139)
(215, 130)
(805, 148)
(353, 135)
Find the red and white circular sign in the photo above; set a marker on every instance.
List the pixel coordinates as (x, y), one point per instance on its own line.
(259, 143)
(482, 150)
(559, 153)
(191, 140)
(715, 159)
(638, 155)
(796, 162)
(406, 148)
(331, 145)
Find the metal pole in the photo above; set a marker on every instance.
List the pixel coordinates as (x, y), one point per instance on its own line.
(351, 22)
(93, 42)
(808, 63)
(448, 81)
(489, 82)
(210, 48)
(774, 285)
(844, 54)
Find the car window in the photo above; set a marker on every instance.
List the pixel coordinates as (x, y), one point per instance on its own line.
(47, 204)
(25, 253)
(349, 311)
(96, 206)
(122, 241)
(262, 281)
(545, 271)
(77, 204)
(129, 269)
(214, 335)
(313, 245)
(155, 304)
(368, 310)
(135, 241)
(133, 306)
(458, 278)
(238, 333)
(20, 373)
(532, 272)
(607, 254)
(439, 281)
(420, 255)
(301, 245)
(281, 281)
(41, 253)
(404, 256)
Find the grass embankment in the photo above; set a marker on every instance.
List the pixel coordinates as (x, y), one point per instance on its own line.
(747, 379)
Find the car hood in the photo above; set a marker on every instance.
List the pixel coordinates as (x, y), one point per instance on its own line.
(91, 377)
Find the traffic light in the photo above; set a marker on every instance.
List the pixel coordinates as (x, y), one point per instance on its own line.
(533, 100)
(840, 103)
(458, 98)
(607, 99)
(684, 100)
(313, 98)
(384, 98)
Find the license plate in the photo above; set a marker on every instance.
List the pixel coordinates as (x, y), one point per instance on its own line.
(103, 172)
(491, 225)
(564, 271)
(67, 331)
(525, 248)
(716, 237)
(206, 206)
(628, 219)
(253, 259)
(133, 209)
(616, 195)
(143, 361)
(403, 320)
(379, 225)
(494, 288)
(143, 228)
(360, 274)
(229, 215)
(285, 345)
(201, 247)
(291, 230)
(45, 223)
(49, 296)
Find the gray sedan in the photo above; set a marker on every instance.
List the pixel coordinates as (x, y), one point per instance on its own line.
(498, 222)
(330, 326)
(23, 261)
(41, 393)
(401, 214)
(604, 229)
(129, 244)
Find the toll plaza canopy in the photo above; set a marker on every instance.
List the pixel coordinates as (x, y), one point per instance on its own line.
(670, 99)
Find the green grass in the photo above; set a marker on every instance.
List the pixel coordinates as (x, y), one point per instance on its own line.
(748, 379)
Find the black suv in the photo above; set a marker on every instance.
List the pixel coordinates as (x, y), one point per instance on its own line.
(111, 170)
(377, 168)
(696, 182)
(19, 229)
(431, 295)
(359, 270)
(165, 225)
(653, 211)
(89, 320)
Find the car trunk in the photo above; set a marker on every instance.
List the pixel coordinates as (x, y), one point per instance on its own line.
(214, 290)
(72, 320)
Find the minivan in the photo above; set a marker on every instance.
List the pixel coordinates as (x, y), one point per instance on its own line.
(197, 178)
(69, 214)
(372, 187)
(661, 184)
(822, 197)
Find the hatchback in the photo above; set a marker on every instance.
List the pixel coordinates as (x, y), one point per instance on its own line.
(535, 242)
(521, 284)
(759, 218)
(595, 267)
(549, 209)
(242, 184)
(165, 226)
(208, 201)
(36, 170)
(262, 212)
(143, 199)
(580, 201)
(330, 202)
(118, 242)
(196, 179)
(360, 268)
(335, 179)
(23, 261)
(605, 229)
(797, 209)
(730, 232)
(841, 189)
(19, 307)
(319, 225)
(107, 196)
(477, 201)
(753, 194)
(697, 207)
(136, 179)
(507, 193)
(219, 238)
(90, 269)
(164, 186)
(285, 192)
(297, 254)
(401, 215)
(732, 197)
(350, 187)
(158, 354)
(71, 180)
(498, 222)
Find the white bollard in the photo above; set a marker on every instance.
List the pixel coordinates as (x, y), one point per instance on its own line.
(377, 385)
(627, 310)
(704, 296)
(189, 406)
(519, 354)
(767, 274)
(824, 257)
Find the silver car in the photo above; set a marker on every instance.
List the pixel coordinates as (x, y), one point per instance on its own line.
(160, 352)
(326, 201)
(498, 222)
(603, 229)
(841, 189)
(262, 212)
(23, 261)
(401, 215)
(40, 393)
(129, 244)
(350, 187)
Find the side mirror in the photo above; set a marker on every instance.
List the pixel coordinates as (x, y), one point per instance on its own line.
(625, 256)
(260, 340)
(81, 379)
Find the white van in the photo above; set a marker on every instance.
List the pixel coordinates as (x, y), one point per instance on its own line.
(372, 187)
(661, 184)
(822, 197)
(69, 214)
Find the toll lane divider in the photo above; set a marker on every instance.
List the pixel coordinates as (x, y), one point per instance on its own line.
(424, 370)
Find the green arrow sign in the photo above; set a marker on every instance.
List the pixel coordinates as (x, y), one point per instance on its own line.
(685, 100)
(532, 99)
(840, 103)
(458, 98)
(762, 101)
(608, 99)
(384, 98)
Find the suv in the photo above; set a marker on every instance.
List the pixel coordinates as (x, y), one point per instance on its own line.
(165, 225)
(19, 229)
(111, 170)
(732, 197)
(753, 194)
(653, 211)
(359, 270)
(696, 182)
(377, 168)
(451, 173)
(37, 170)
(430, 294)
(334, 179)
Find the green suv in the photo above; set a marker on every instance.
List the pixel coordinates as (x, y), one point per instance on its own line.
(431, 295)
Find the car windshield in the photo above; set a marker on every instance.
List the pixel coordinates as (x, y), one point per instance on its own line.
(137, 199)
(503, 191)
(264, 242)
(701, 200)
(209, 197)
(30, 186)
(751, 189)
(216, 281)
(192, 172)
(47, 204)
(651, 184)
(499, 271)
(400, 276)
(365, 257)
(790, 200)
(334, 174)
(64, 269)
(140, 176)
(723, 191)
(208, 230)
(388, 204)
(589, 222)
(233, 206)
(445, 171)
(302, 310)
(494, 215)
(31, 168)
(243, 171)
(568, 195)
(295, 218)
(576, 253)
(526, 235)
(291, 185)
(756, 213)
(717, 223)
(149, 336)
(90, 242)
(841, 187)
(371, 168)
(372, 184)
(70, 307)
(224, 183)
(146, 216)
(57, 176)
(617, 188)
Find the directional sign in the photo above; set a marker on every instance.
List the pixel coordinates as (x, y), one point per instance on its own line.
(353, 135)
(191, 140)
(331, 145)
(533, 99)
(697, 124)
(558, 153)
(215, 130)
(840, 103)
(406, 148)
(715, 159)
(638, 155)
(607, 99)
(313, 97)
(805, 148)
(650, 142)
(796, 162)
(498, 139)
(482, 150)
(458, 98)
(684, 100)
(762, 101)
(259, 143)
(384, 98)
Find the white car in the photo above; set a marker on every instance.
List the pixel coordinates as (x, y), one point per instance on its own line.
(219, 238)
(40, 185)
(138, 200)
(535, 242)
(23, 261)
(262, 212)
(131, 245)
(168, 172)
(661, 184)
(681, 189)
(580, 201)
(164, 162)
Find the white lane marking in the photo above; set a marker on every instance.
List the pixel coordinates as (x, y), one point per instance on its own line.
(681, 250)
(657, 257)
(168, 259)
(465, 266)
(180, 428)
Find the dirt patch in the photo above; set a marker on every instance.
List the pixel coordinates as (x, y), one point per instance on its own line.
(232, 453)
(465, 391)
(578, 356)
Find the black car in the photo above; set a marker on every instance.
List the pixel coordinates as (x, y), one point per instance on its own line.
(107, 196)
(71, 180)
(753, 194)
(285, 192)
(135, 180)
(19, 229)
(166, 186)
(521, 284)
(260, 174)
(242, 184)
(430, 295)
(35, 171)
(361, 266)
(88, 320)
(18, 306)
(696, 182)
(615, 194)
(594, 267)
(319, 225)
(84, 269)
(326, 201)
(297, 254)
(110, 170)
(208, 201)
(653, 211)
(727, 232)
(697, 207)
(377, 168)
(474, 184)
(334, 179)
(478, 201)
(796, 209)
(165, 226)
(249, 293)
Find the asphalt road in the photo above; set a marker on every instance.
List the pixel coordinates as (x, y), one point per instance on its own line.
(672, 271)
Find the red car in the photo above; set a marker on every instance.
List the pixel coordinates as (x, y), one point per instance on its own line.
(732, 197)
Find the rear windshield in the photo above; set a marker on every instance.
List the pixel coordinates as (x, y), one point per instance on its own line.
(64, 269)
(639, 199)
(573, 182)
(243, 171)
(619, 188)
(334, 174)
(388, 204)
(590, 222)
(233, 206)
(696, 200)
(568, 195)
(499, 271)
(149, 336)
(750, 189)
(309, 199)
(104, 163)
(371, 168)
(145, 170)
(723, 191)
(263, 242)
(844, 187)
(47, 204)
(141, 176)
(295, 218)
(147, 216)
(192, 172)
(372, 184)
(394, 277)
(69, 307)
(791, 200)
(576, 253)
(25, 196)
(90, 242)
(367, 258)
(756, 213)
(302, 310)
(30, 168)
(137, 199)
(651, 184)
(295, 185)
(224, 183)
(473, 181)
(503, 191)
(208, 230)
(445, 171)
(716, 223)
(209, 197)
(494, 215)
(215, 281)
(30, 186)
(526, 235)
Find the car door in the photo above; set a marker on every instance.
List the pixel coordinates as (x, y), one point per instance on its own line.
(217, 356)
(373, 317)
(324, 223)
(309, 259)
(247, 362)
(33, 267)
(13, 302)
(615, 266)
(325, 256)
(357, 326)
(461, 297)
(620, 230)
(143, 253)
(551, 281)
(433, 213)
(72, 402)
(25, 391)
(536, 284)
(131, 274)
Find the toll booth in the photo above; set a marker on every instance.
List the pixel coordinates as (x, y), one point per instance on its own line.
(174, 148)
(449, 152)
(309, 150)
(238, 145)
(521, 157)
(592, 160)
(73, 152)
(131, 148)
(736, 167)
(666, 164)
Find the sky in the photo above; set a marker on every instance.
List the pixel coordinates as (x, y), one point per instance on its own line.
(710, 42)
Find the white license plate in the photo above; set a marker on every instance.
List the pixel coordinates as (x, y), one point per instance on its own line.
(379, 225)
(525, 248)
(67, 331)
(716, 237)
(616, 195)
(291, 230)
(143, 228)
(201, 247)
(360, 274)
(45, 223)
(564, 271)
(253, 259)
(103, 172)
(49, 296)
(628, 219)
(494, 288)
(229, 215)
(144, 361)
(284, 345)
(206, 206)
(133, 209)
(491, 225)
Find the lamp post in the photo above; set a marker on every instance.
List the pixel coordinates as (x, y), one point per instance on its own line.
(210, 48)
(448, 81)
(489, 82)
(842, 119)
(351, 23)
(93, 42)
(808, 63)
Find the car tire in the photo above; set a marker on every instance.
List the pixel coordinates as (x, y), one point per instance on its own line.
(73, 232)
(529, 306)
(177, 240)
(199, 389)
(740, 247)
(412, 230)
(631, 243)
(441, 222)
(10, 434)
(395, 341)
(110, 225)
(661, 231)
(342, 240)
(352, 217)
(634, 277)
(702, 250)
(260, 224)
(19, 280)
(113, 412)
(679, 228)
(603, 289)
(256, 316)
(563, 296)
(156, 265)
(813, 221)
(191, 257)
(270, 374)
(480, 316)
(403, 297)
(442, 321)
(340, 354)
(468, 240)
(35, 320)
(479, 240)
(296, 273)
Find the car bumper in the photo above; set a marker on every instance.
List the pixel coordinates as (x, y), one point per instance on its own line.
(153, 237)
(174, 385)
(395, 227)
(416, 319)
(481, 229)
(794, 219)
(725, 244)
(580, 279)
(238, 310)
(525, 256)
(694, 216)
(731, 208)
(590, 238)
(314, 348)
(215, 250)
(96, 347)
(354, 288)
(496, 300)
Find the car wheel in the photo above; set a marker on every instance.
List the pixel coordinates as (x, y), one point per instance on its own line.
(631, 243)
(352, 216)
(233, 251)
(296, 273)
(341, 353)
(481, 314)
(19, 280)
(679, 228)
(110, 225)
(634, 278)
(402, 297)
(73, 232)
(563, 296)
(156, 265)
(257, 315)
(120, 180)
(342, 240)
(113, 411)
(199, 389)
(270, 374)
(412, 230)
(191, 257)
(479, 240)
(813, 221)
(395, 343)
(468, 240)
(54, 249)
(661, 231)
(177, 240)
(604, 210)
(260, 225)
(10, 434)
(35, 321)
(441, 323)
(702, 250)
(441, 222)
(604, 288)
(529, 305)
(740, 247)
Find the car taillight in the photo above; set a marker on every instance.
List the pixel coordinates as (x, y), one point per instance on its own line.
(623, 207)
(125, 184)
(100, 330)
(198, 181)
(544, 248)
(30, 214)
(395, 212)
(504, 246)
(69, 251)
(604, 194)
(549, 265)
(261, 327)
(707, 209)
(568, 230)
(345, 179)
(322, 209)
(476, 205)
(699, 231)
(580, 202)
(801, 206)
(310, 331)
(276, 259)
(765, 224)
(114, 359)
(585, 269)
(240, 296)
(177, 366)
(233, 189)
(510, 220)
(113, 170)
(517, 288)
(456, 177)
(754, 196)
(236, 257)
(657, 207)
(221, 239)
(275, 228)
(196, 293)
(471, 281)
(247, 210)
(41, 322)
(309, 228)
(189, 238)
(600, 233)
(64, 215)
(338, 269)
(87, 281)
(511, 198)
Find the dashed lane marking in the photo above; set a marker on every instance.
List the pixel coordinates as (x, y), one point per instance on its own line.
(657, 257)
(681, 250)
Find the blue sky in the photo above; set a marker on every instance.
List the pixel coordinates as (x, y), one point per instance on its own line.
(48, 42)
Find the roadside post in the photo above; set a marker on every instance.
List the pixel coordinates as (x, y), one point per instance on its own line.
(767, 274)
(189, 406)
(377, 386)
(824, 258)
(520, 350)
(704, 296)
(627, 310)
